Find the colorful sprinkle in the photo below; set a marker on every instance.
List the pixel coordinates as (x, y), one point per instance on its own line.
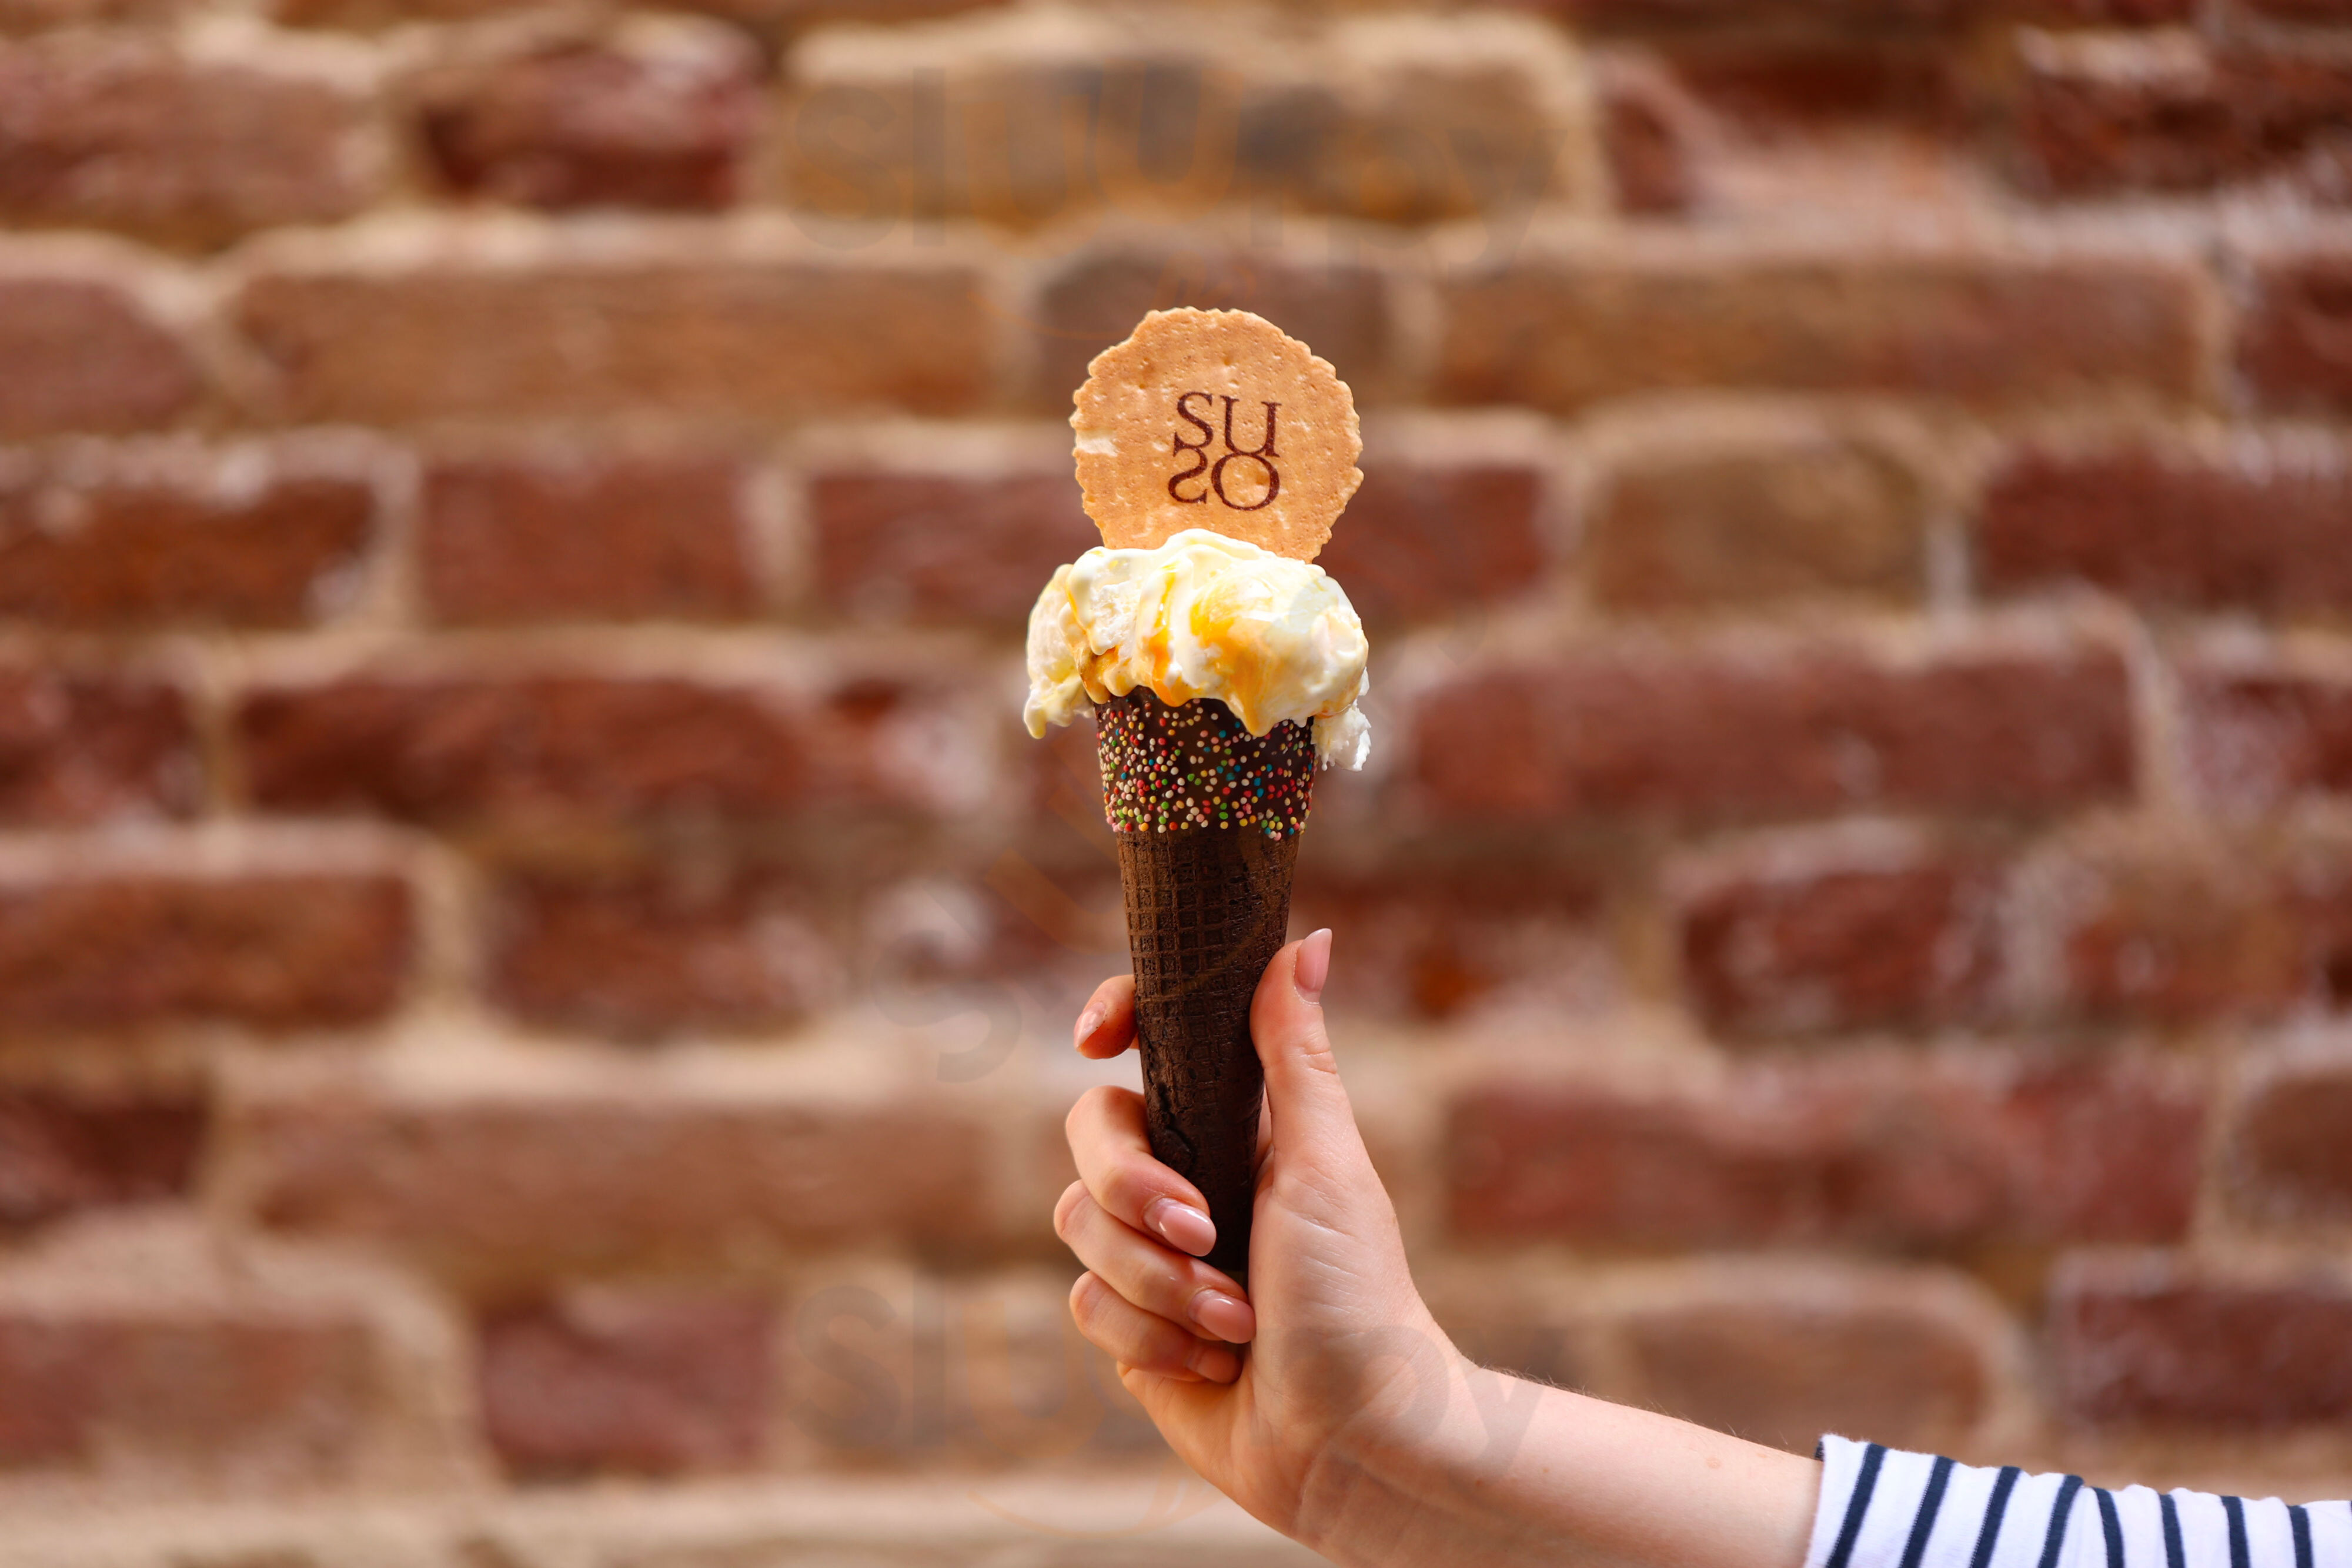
(1194, 765)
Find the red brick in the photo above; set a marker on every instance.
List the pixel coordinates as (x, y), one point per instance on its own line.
(1442, 939)
(781, 15)
(282, 1394)
(1901, 946)
(2252, 529)
(515, 1186)
(1652, 130)
(1024, 1385)
(1024, 934)
(1407, 121)
(1060, 778)
(1692, 524)
(1425, 541)
(1720, 733)
(89, 748)
(658, 114)
(2163, 111)
(2288, 1158)
(1507, 1332)
(1912, 15)
(1782, 1373)
(1338, 311)
(149, 544)
(1047, 922)
(2101, 112)
(647, 953)
(582, 536)
(1659, 312)
(1887, 1150)
(1769, 92)
(934, 548)
(2150, 1340)
(803, 13)
(2177, 937)
(2292, 338)
(711, 339)
(2258, 737)
(2318, 891)
(2089, 13)
(609, 1380)
(63, 1151)
(123, 131)
(569, 746)
(38, 15)
(80, 354)
(1644, 15)
(269, 951)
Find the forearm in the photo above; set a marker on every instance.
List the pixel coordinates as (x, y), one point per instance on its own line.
(1511, 1472)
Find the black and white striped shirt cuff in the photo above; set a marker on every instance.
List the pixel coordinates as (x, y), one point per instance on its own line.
(1882, 1507)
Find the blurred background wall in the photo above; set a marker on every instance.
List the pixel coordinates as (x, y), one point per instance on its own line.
(532, 944)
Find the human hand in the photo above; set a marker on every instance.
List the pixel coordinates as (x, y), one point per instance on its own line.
(1343, 1355)
(1351, 1423)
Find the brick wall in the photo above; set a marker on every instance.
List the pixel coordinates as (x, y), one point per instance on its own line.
(532, 944)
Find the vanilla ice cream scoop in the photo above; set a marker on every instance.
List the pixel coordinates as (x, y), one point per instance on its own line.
(1203, 616)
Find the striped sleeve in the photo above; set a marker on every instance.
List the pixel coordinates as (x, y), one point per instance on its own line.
(1882, 1507)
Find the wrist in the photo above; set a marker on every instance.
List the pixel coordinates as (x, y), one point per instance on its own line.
(1391, 1485)
(1520, 1472)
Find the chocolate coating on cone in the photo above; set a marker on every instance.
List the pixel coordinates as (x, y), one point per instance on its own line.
(1207, 908)
(1194, 766)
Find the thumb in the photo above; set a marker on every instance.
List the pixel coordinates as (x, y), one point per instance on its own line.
(1302, 1078)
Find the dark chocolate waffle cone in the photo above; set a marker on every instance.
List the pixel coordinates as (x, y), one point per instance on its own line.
(1208, 905)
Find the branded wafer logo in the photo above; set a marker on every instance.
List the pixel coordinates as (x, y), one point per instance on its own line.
(1211, 473)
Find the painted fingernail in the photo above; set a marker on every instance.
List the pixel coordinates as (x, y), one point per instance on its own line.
(1088, 1021)
(1314, 965)
(1185, 1228)
(1227, 1317)
(1216, 1363)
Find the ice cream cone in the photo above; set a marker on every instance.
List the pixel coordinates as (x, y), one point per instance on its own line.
(1206, 818)
(1222, 668)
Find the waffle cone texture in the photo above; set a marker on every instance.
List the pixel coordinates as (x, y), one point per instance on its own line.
(1208, 906)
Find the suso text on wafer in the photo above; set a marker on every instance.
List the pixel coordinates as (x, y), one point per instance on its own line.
(1216, 418)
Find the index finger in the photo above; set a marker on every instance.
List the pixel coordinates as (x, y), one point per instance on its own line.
(1114, 1158)
(1106, 1025)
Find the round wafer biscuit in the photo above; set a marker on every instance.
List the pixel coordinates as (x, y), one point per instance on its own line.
(1216, 418)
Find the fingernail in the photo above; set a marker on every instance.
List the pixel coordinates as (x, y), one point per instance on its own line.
(1227, 1317)
(1314, 965)
(1185, 1228)
(1216, 1363)
(1089, 1021)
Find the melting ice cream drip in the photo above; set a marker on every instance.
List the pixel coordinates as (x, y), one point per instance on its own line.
(1203, 616)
